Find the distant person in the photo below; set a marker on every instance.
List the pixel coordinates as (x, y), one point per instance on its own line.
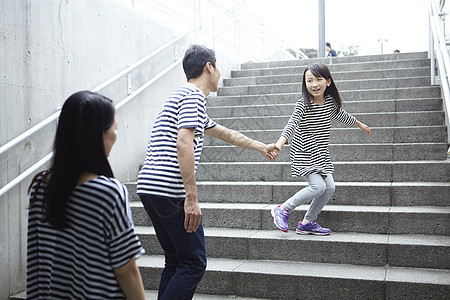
(396, 51)
(166, 183)
(330, 51)
(81, 241)
(309, 127)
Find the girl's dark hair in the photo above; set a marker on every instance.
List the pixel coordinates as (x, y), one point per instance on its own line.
(320, 70)
(78, 147)
(195, 59)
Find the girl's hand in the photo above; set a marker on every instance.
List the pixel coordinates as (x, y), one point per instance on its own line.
(363, 127)
(271, 151)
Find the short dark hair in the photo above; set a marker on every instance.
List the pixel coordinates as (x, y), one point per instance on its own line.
(328, 44)
(195, 59)
(320, 70)
(78, 147)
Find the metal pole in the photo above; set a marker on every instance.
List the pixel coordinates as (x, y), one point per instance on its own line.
(237, 34)
(431, 49)
(321, 51)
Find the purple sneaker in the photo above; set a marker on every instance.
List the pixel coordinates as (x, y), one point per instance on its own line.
(313, 228)
(280, 218)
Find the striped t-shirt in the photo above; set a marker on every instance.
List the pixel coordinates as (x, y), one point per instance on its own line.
(77, 262)
(309, 152)
(160, 175)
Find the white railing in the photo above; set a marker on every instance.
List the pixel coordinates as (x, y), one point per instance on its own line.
(438, 51)
(130, 96)
(233, 41)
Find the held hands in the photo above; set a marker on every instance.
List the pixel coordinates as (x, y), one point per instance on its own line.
(271, 151)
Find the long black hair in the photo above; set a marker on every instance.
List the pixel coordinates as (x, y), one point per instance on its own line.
(78, 147)
(320, 70)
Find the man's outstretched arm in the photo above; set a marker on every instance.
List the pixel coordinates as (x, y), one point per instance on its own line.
(240, 140)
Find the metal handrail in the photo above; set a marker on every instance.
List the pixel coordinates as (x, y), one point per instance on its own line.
(54, 116)
(438, 43)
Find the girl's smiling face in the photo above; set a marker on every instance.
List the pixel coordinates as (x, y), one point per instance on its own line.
(316, 86)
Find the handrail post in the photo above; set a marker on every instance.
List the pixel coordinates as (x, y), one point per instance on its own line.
(129, 88)
(431, 48)
(237, 35)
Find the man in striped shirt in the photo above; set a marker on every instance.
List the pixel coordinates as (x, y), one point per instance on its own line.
(166, 182)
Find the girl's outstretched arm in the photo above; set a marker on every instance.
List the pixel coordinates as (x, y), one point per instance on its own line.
(362, 126)
(281, 141)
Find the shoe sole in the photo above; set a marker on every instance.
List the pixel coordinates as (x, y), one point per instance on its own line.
(311, 232)
(273, 215)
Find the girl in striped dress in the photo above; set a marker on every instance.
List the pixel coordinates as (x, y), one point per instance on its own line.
(309, 127)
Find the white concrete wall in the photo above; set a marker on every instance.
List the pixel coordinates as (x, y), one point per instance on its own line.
(49, 50)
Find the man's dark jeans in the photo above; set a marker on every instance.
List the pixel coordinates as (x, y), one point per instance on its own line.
(185, 253)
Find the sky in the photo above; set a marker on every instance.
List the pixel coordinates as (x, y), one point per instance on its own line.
(400, 24)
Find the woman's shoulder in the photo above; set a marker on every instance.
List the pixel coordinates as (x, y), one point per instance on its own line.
(106, 181)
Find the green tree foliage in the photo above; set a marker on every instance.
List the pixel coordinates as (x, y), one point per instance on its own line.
(351, 50)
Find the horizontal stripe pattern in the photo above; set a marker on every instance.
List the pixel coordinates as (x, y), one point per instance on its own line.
(160, 174)
(310, 131)
(77, 262)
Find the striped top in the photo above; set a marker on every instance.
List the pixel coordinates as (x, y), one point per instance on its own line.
(160, 175)
(78, 262)
(309, 152)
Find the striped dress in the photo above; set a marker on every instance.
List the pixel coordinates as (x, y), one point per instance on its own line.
(160, 175)
(311, 130)
(78, 262)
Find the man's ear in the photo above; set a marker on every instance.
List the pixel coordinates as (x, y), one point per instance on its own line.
(209, 67)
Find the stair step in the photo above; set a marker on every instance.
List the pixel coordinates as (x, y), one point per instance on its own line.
(340, 218)
(280, 279)
(342, 85)
(368, 106)
(272, 68)
(337, 76)
(392, 58)
(410, 134)
(347, 193)
(378, 119)
(339, 247)
(359, 171)
(149, 294)
(346, 95)
(339, 152)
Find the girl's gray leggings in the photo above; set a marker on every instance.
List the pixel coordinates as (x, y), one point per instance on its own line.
(319, 191)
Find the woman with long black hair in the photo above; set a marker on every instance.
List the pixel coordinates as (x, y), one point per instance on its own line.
(81, 241)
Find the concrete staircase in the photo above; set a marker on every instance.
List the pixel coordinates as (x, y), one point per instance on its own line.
(389, 214)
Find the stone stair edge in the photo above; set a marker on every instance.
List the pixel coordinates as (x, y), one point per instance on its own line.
(328, 208)
(353, 113)
(345, 237)
(336, 81)
(346, 128)
(334, 73)
(282, 63)
(153, 294)
(341, 91)
(312, 269)
(392, 55)
(293, 104)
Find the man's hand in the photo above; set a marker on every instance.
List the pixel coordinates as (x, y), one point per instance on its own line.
(271, 151)
(192, 214)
